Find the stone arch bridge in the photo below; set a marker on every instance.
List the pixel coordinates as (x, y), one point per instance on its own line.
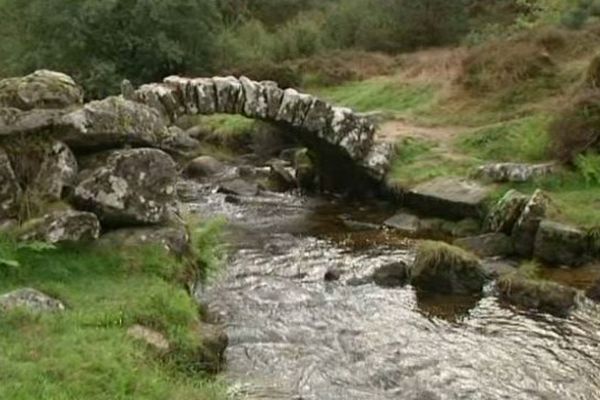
(350, 132)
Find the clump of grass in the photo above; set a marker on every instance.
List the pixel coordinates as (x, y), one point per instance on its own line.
(498, 64)
(84, 352)
(524, 139)
(588, 166)
(208, 251)
(445, 268)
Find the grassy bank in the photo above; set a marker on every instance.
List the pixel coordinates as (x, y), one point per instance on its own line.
(85, 352)
(451, 110)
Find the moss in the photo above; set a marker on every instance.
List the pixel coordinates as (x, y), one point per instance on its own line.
(448, 269)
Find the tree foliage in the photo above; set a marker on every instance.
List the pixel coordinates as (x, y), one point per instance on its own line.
(102, 42)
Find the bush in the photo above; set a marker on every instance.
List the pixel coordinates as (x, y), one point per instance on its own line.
(588, 166)
(102, 42)
(592, 78)
(577, 129)
(503, 63)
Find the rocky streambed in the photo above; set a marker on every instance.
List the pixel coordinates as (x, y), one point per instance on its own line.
(310, 314)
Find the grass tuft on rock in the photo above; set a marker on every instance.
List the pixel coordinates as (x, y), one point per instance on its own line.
(444, 268)
(85, 352)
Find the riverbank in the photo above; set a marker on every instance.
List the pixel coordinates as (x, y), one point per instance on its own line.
(88, 347)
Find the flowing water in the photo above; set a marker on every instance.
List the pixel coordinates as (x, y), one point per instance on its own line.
(295, 335)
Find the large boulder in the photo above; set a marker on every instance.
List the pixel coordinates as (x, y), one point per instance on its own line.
(540, 295)
(443, 268)
(561, 244)
(10, 190)
(112, 122)
(526, 227)
(505, 213)
(30, 300)
(405, 223)
(129, 187)
(41, 89)
(448, 197)
(66, 226)
(487, 245)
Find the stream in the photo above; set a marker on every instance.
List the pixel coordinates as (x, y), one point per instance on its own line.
(295, 335)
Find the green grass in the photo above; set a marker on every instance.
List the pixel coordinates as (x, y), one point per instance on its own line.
(419, 160)
(224, 124)
(84, 352)
(379, 94)
(525, 139)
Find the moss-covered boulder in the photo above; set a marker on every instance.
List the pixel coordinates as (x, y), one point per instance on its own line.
(535, 294)
(128, 187)
(110, 123)
(39, 121)
(67, 226)
(525, 229)
(505, 213)
(41, 89)
(174, 239)
(443, 268)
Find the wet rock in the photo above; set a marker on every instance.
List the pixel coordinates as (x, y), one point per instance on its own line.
(498, 268)
(305, 170)
(130, 187)
(392, 275)
(593, 292)
(561, 244)
(30, 300)
(66, 226)
(112, 122)
(487, 245)
(152, 338)
(10, 190)
(525, 229)
(443, 268)
(239, 187)
(332, 275)
(14, 121)
(281, 178)
(41, 89)
(503, 216)
(174, 239)
(405, 223)
(213, 343)
(514, 172)
(538, 295)
(204, 166)
(450, 198)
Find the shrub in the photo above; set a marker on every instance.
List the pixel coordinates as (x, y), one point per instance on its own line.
(592, 78)
(577, 129)
(588, 166)
(502, 63)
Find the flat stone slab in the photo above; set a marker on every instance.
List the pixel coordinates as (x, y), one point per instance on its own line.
(448, 197)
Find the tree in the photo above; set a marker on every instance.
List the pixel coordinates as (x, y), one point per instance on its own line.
(102, 42)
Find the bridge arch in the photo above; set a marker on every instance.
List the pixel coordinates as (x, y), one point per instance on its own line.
(339, 127)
